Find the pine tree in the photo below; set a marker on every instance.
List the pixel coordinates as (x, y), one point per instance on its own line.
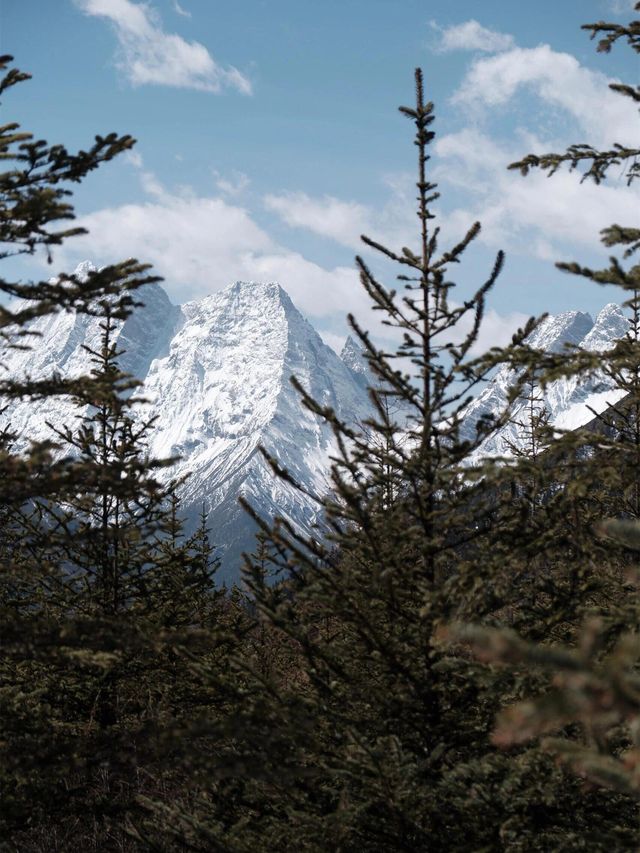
(82, 698)
(205, 554)
(374, 733)
(591, 707)
(104, 532)
(126, 575)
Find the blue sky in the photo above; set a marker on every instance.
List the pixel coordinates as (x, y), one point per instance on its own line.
(269, 137)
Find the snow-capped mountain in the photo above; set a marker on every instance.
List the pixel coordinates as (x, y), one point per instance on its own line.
(222, 389)
(353, 356)
(216, 377)
(570, 403)
(216, 374)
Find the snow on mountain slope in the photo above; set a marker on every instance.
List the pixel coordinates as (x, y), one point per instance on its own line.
(353, 356)
(575, 402)
(224, 388)
(216, 374)
(570, 402)
(58, 346)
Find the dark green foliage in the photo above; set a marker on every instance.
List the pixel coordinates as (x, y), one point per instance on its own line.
(116, 600)
(345, 698)
(101, 596)
(356, 724)
(591, 711)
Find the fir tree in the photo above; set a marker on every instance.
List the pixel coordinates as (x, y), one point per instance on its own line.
(84, 701)
(374, 735)
(104, 532)
(591, 708)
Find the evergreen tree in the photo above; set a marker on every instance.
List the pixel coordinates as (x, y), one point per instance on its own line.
(184, 587)
(591, 708)
(38, 752)
(374, 733)
(90, 684)
(104, 532)
(118, 568)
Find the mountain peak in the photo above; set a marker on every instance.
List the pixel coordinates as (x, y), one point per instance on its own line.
(221, 390)
(215, 373)
(569, 327)
(242, 298)
(611, 324)
(570, 401)
(353, 355)
(261, 288)
(83, 270)
(260, 291)
(351, 349)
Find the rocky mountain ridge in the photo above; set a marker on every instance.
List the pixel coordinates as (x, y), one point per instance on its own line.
(216, 376)
(569, 403)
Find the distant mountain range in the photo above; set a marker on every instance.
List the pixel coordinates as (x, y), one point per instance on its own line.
(569, 403)
(216, 374)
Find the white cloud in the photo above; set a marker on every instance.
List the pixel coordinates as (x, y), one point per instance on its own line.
(621, 7)
(471, 35)
(233, 185)
(559, 81)
(498, 329)
(533, 216)
(148, 55)
(202, 244)
(134, 158)
(336, 342)
(180, 11)
(392, 223)
(149, 182)
(342, 221)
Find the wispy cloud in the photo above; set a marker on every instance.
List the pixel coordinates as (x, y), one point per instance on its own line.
(201, 244)
(621, 7)
(341, 221)
(394, 224)
(531, 216)
(344, 221)
(232, 185)
(148, 55)
(470, 35)
(557, 79)
(178, 8)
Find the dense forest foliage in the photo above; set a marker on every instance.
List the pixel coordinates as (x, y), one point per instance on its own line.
(453, 667)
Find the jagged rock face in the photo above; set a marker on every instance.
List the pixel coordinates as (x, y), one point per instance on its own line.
(59, 346)
(216, 374)
(352, 354)
(570, 403)
(223, 389)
